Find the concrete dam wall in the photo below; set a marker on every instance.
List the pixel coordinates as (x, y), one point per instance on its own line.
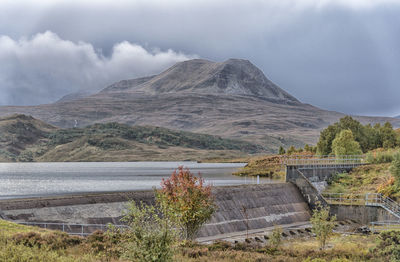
(362, 214)
(265, 205)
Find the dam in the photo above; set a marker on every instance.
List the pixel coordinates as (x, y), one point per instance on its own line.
(241, 209)
(265, 205)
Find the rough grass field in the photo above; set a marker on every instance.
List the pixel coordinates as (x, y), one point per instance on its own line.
(22, 243)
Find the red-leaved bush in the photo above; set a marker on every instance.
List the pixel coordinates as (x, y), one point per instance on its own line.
(187, 200)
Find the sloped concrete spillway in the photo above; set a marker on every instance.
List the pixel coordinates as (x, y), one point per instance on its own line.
(240, 208)
(256, 207)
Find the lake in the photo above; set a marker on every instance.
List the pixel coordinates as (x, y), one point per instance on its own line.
(19, 180)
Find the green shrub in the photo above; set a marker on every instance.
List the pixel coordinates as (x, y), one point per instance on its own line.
(395, 169)
(54, 241)
(26, 251)
(276, 237)
(314, 260)
(388, 245)
(380, 157)
(220, 245)
(150, 237)
(322, 224)
(106, 244)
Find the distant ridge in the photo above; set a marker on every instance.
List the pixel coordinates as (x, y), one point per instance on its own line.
(73, 96)
(231, 99)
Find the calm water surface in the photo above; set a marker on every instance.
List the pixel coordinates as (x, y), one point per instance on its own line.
(43, 179)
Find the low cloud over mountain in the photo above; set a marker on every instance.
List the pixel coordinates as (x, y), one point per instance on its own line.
(45, 67)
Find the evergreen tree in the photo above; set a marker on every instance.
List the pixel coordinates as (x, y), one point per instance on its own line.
(324, 145)
(281, 150)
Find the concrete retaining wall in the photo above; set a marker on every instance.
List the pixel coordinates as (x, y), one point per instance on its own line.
(316, 174)
(266, 205)
(308, 190)
(362, 214)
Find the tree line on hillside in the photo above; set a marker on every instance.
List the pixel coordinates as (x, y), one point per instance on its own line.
(349, 137)
(159, 136)
(366, 137)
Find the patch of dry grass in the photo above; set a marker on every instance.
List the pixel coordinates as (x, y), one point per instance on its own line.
(264, 166)
(363, 179)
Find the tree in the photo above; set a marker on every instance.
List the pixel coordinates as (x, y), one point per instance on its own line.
(291, 150)
(372, 134)
(150, 236)
(395, 168)
(344, 144)
(357, 129)
(187, 200)
(322, 224)
(307, 148)
(324, 145)
(389, 137)
(281, 150)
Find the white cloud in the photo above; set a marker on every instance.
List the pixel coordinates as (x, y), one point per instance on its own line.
(45, 67)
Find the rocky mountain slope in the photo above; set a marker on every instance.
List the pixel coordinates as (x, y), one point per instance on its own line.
(232, 77)
(23, 138)
(232, 99)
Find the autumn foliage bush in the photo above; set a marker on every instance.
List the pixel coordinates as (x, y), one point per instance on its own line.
(187, 200)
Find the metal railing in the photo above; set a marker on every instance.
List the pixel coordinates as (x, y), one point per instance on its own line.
(369, 199)
(74, 229)
(341, 198)
(312, 160)
(384, 225)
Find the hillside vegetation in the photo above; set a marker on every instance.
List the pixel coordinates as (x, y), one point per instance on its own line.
(378, 176)
(17, 132)
(24, 138)
(381, 147)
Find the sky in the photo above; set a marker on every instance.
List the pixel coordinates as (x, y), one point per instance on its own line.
(341, 55)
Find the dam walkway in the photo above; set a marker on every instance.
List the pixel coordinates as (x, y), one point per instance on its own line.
(311, 174)
(317, 162)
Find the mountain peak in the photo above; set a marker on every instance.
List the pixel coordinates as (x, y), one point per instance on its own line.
(231, 77)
